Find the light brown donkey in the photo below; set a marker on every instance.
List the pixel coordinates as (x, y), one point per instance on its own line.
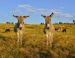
(49, 29)
(19, 27)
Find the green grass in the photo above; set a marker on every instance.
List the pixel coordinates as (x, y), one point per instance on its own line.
(34, 43)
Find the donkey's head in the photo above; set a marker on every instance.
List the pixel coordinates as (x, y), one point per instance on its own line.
(48, 18)
(20, 19)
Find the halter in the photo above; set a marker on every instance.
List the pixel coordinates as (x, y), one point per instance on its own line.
(46, 29)
(18, 26)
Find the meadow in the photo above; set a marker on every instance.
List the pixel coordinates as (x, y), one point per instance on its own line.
(34, 42)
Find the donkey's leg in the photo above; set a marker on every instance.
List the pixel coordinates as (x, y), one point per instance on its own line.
(18, 36)
(50, 40)
(47, 38)
(21, 36)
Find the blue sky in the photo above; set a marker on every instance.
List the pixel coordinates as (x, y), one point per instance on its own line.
(64, 9)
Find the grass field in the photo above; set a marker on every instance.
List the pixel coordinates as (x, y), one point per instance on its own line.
(34, 43)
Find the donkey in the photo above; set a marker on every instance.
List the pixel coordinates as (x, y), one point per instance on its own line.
(7, 27)
(19, 27)
(49, 29)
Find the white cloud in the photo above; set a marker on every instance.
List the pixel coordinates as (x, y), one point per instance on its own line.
(57, 12)
(35, 10)
(27, 7)
(61, 14)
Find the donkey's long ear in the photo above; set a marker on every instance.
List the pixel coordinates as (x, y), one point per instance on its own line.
(16, 16)
(43, 16)
(25, 16)
(51, 14)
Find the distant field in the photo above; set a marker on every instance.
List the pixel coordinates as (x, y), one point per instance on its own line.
(34, 43)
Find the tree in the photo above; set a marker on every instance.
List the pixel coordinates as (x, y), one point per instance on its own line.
(60, 23)
(74, 21)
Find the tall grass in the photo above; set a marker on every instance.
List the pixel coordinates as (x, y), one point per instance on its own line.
(34, 43)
